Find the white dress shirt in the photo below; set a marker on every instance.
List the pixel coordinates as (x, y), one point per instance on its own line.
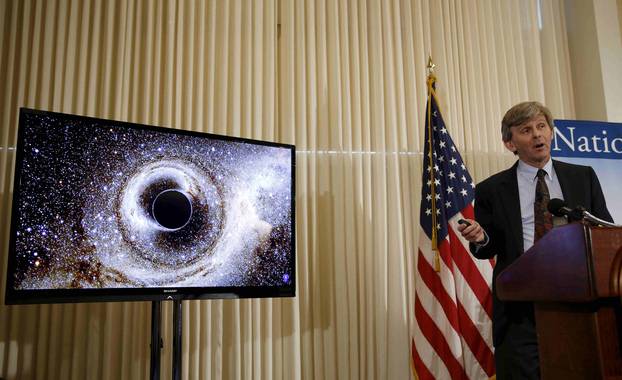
(527, 180)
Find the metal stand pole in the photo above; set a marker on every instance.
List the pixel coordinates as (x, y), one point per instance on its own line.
(177, 329)
(156, 339)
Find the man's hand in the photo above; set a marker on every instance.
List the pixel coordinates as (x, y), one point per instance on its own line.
(471, 230)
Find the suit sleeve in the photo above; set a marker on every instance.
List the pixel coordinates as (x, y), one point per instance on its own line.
(598, 204)
(484, 216)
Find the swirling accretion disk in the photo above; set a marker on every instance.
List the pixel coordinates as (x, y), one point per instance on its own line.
(157, 251)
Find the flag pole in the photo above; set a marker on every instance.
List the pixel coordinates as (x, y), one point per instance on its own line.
(434, 237)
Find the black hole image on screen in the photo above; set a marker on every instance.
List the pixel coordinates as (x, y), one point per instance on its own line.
(102, 206)
(172, 209)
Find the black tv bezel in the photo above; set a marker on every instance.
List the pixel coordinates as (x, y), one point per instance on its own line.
(47, 296)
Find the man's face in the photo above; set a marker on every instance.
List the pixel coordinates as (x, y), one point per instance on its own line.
(532, 141)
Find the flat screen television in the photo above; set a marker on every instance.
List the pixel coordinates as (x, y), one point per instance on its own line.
(106, 210)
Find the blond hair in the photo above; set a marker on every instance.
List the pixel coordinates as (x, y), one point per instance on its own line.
(522, 113)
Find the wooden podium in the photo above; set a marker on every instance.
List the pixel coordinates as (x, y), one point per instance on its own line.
(574, 277)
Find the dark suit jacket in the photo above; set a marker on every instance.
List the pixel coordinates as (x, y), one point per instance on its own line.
(497, 210)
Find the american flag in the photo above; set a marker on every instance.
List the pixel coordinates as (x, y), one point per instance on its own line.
(452, 336)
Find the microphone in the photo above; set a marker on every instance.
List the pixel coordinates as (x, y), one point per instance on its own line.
(558, 207)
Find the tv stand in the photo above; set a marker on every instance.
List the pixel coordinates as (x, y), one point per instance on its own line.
(157, 343)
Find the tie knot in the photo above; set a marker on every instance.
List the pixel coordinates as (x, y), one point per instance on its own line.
(541, 174)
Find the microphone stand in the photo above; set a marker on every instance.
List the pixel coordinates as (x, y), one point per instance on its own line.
(558, 207)
(598, 221)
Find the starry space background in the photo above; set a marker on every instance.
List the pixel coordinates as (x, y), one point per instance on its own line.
(84, 218)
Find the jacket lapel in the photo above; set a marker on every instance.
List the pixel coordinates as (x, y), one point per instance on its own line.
(510, 200)
(565, 179)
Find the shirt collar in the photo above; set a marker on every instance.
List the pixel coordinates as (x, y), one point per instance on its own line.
(529, 172)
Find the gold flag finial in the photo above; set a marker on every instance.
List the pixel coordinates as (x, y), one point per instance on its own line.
(431, 65)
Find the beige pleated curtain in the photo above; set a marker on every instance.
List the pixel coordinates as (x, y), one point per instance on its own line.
(342, 80)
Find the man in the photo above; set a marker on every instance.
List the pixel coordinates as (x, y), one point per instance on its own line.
(509, 217)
